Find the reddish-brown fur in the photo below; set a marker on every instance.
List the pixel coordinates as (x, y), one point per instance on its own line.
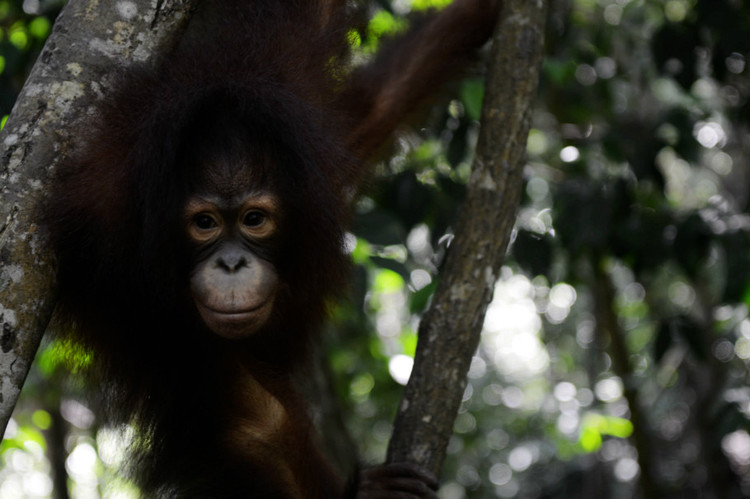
(218, 418)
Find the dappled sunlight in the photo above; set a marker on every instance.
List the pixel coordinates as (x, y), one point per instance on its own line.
(626, 469)
(737, 447)
(400, 366)
(25, 474)
(27, 471)
(570, 154)
(112, 444)
(710, 134)
(522, 457)
(82, 466)
(511, 329)
(609, 389)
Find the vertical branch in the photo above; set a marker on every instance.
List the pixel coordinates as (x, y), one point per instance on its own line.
(88, 40)
(608, 326)
(55, 437)
(450, 330)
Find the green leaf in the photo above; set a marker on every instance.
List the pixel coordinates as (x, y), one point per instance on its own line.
(40, 28)
(392, 265)
(385, 23)
(388, 281)
(420, 299)
(409, 343)
(590, 439)
(430, 4)
(472, 95)
(618, 427)
(42, 419)
(362, 385)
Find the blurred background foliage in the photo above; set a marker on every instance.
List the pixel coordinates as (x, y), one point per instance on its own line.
(616, 352)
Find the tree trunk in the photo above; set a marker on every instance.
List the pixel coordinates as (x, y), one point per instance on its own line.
(89, 38)
(450, 330)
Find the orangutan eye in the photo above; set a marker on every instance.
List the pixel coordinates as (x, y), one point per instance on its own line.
(254, 219)
(204, 221)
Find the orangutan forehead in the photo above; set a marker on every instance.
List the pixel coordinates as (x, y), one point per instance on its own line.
(231, 171)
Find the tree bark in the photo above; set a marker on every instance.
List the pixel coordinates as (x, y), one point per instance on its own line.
(89, 39)
(450, 330)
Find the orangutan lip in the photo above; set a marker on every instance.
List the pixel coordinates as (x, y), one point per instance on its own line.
(233, 314)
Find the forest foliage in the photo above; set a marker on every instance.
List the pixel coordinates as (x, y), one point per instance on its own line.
(615, 357)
